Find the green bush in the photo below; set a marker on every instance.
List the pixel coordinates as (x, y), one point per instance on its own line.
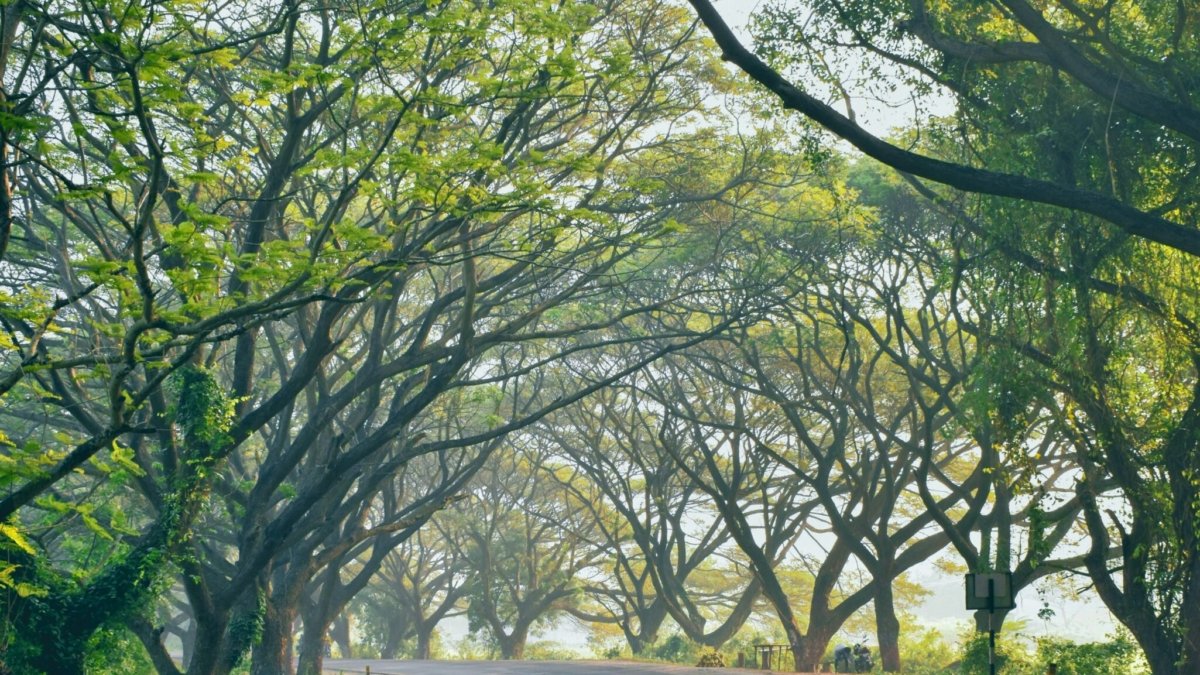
(1118, 655)
(676, 649)
(364, 650)
(923, 651)
(549, 650)
(711, 659)
(1011, 655)
(116, 650)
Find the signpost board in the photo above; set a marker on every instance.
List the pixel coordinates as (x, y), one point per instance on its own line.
(993, 592)
(990, 591)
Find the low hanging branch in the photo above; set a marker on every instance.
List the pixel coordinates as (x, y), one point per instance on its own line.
(1129, 218)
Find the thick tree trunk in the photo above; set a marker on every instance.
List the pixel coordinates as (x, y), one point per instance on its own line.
(512, 646)
(424, 648)
(811, 648)
(151, 638)
(272, 655)
(1190, 663)
(340, 632)
(649, 622)
(395, 635)
(208, 647)
(887, 627)
(311, 658)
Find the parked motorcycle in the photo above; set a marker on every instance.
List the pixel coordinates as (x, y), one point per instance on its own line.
(862, 659)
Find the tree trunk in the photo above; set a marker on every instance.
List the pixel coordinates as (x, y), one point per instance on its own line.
(272, 655)
(340, 632)
(151, 638)
(887, 626)
(424, 649)
(811, 648)
(650, 620)
(512, 646)
(311, 659)
(208, 646)
(391, 642)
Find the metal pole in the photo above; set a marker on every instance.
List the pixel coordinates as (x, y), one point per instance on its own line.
(991, 626)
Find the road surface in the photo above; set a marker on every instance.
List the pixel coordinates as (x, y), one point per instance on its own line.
(359, 666)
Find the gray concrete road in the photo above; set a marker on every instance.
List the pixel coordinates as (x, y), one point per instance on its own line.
(357, 667)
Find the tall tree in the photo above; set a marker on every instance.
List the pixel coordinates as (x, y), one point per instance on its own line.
(527, 539)
(665, 535)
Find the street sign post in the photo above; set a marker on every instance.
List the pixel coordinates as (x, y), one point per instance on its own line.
(992, 591)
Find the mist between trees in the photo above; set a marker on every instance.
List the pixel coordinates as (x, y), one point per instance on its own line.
(403, 310)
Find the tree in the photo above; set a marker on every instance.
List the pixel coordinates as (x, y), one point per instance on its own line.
(872, 366)
(527, 538)
(1044, 325)
(662, 534)
(715, 433)
(421, 583)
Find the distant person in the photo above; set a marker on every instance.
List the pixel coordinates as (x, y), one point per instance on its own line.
(841, 659)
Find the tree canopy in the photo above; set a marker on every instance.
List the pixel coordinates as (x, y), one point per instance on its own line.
(331, 321)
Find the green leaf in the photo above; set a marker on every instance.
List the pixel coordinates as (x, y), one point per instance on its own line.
(13, 534)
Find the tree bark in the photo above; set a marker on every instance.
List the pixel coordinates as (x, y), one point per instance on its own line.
(512, 646)
(208, 646)
(340, 632)
(151, 639)
(424, 648)
(396, 630)
(311, 657)
(272, 655)
(887, 626)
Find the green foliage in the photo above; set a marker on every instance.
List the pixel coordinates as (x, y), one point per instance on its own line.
(1012, 656)
(923, 651)
(204, 413)
(1119, 654)
(245, 630)
(548, 650)
(675, 648)
(475, 647)
(711, 659)
(116, 650)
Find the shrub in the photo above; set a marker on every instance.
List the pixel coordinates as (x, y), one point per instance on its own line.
(923, 651)
(711, 659)
(549, 650)
(676, 649)
(116, 650)
(1011, 656)
(1118, 655)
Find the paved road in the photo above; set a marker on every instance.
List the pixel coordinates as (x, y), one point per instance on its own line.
(349, 666)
